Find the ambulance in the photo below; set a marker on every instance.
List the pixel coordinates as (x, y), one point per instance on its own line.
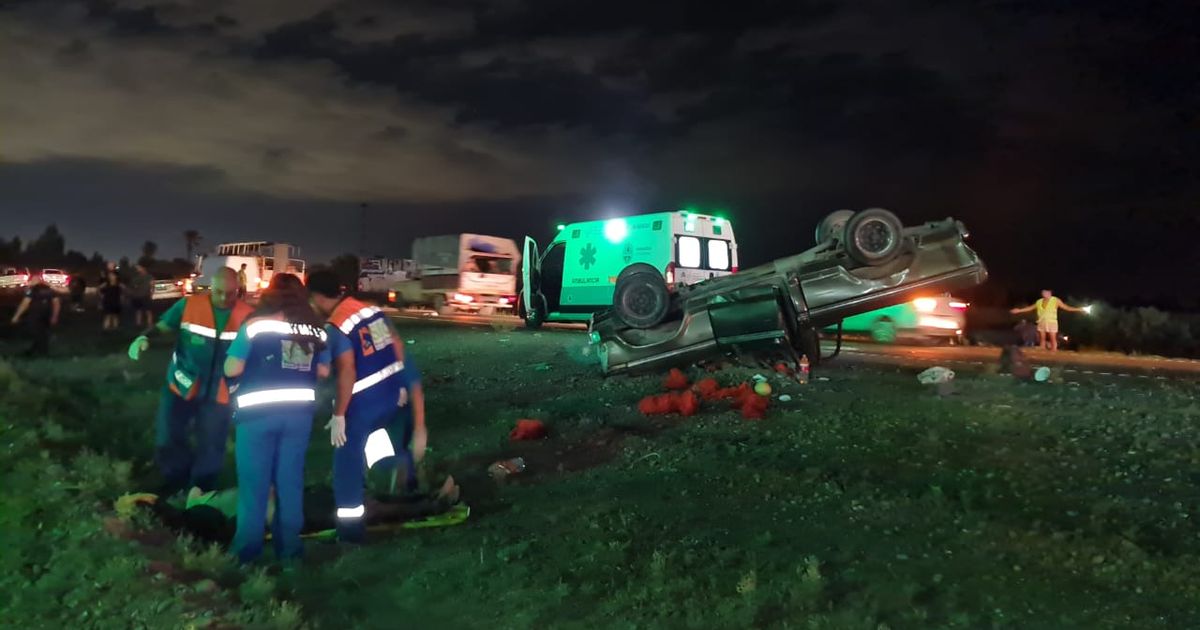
(628, 264)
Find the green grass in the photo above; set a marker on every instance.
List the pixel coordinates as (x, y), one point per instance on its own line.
(865, 502)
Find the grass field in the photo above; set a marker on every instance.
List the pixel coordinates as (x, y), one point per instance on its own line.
(865, 502)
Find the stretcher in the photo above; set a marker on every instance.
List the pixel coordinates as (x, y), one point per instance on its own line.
(212, 517)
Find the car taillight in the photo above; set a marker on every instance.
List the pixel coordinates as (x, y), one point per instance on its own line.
(179, 283)
(925, 305)
(391, 296)
(962, 306)
(670, 273)
(465, 299)
(734, 269)
(503, 301)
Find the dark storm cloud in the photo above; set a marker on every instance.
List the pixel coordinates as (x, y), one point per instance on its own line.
(1034, 121)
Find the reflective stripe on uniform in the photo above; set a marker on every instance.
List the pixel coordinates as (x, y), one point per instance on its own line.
(356, 318)
(282, 328)
(183, 379)
(376, 378)
(354, 512)
(197, 329)
(379, 446)
(267, 396)
(228, 336)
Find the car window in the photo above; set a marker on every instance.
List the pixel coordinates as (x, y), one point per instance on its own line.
(689, 252)
(718, 255)
(54, 272)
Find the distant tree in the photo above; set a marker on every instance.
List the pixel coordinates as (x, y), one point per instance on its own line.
(10, 251)
(97, 260)
(346, 268)
(75, 261)
(149, 249)
(192, 239)
(123, 265)
(48, 248)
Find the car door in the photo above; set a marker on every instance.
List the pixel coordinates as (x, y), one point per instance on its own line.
(530, 272)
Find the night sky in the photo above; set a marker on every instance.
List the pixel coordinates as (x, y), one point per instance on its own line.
(1066, 134)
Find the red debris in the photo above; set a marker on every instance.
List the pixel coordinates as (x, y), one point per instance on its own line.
(687, 403)
(676, 380)
(708, 389)
(754, 407)
(528, 430)
(782, 368)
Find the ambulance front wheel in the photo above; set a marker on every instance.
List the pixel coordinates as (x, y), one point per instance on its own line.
(641, 299)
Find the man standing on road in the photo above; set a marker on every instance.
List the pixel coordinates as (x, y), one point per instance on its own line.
(242, 282)
(141, 289)
(195, 400)
(42, 306)
(368, 357)
(1047, 318)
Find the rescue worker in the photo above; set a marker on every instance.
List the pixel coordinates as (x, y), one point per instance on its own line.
(195, 400)
(242, 281)
(43, 307)
(368, 357)
(276, 359)
(1047, 318)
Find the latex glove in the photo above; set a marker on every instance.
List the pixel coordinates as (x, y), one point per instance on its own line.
(139, 345)
(403, 397)
(420, 440)
(337, 431)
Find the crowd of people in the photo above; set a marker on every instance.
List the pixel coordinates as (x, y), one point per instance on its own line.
(256, 369)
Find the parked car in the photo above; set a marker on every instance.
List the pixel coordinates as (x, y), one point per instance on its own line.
(927, 318)
(863, 261)
(56, 278)
(168, 288)
(13, 278)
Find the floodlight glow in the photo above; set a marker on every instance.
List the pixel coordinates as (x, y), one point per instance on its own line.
(615, 230)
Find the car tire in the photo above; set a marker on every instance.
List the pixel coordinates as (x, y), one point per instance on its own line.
(883, 330)
(873, 237)
(439, 305)
(641, 299)
(833, 225)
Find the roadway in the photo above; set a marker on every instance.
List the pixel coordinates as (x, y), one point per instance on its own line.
(955, 357)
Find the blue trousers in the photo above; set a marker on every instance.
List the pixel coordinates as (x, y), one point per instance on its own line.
(270, 453)
(182, 464)
(350, 465)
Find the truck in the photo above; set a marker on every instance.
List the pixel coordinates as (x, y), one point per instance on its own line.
(461, 273)
(262, 259)
(377, 274)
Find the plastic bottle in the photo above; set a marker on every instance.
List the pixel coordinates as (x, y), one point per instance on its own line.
(802, 373)
(506, 467)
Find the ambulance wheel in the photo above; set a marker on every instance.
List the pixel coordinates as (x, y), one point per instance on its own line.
(873, 237)
(641, 298)
(883, 330)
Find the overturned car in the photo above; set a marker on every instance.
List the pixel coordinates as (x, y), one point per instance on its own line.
(863, 261)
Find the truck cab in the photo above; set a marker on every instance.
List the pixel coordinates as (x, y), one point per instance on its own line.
(579, 271)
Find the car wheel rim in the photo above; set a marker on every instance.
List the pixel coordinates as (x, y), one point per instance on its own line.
(640, 301)
(874, 237)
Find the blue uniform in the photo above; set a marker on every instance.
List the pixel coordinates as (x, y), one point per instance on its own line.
(355, 327)
(275, 399)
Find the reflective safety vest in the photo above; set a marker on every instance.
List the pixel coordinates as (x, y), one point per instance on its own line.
(1047, 309)
(199, 358)
(376, 366)
(281, 370)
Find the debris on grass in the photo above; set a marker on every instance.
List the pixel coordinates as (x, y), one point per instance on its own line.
(528, 430)
(506, 467)
(936, 376)
(683, 403)
(1042, 374)
(676, 380)
(785, 398)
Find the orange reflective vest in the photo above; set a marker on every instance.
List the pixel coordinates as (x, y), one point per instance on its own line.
(199, 357)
